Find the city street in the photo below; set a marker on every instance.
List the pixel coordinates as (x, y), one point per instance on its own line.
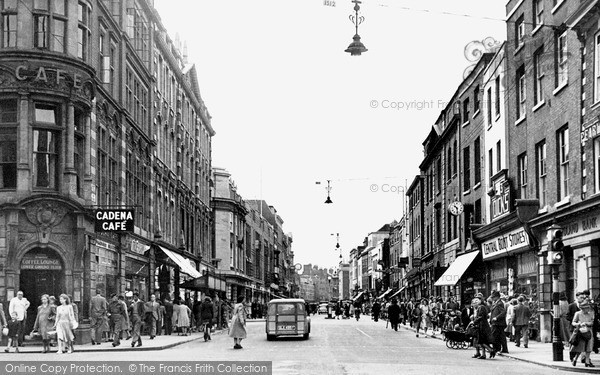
(334, 347)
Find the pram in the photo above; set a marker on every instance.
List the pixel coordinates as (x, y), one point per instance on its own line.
(457, 339)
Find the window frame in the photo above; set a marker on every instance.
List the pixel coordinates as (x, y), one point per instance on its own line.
(562, 139)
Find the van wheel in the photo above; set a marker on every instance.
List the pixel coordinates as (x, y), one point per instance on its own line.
(305, 336)
(270, 337)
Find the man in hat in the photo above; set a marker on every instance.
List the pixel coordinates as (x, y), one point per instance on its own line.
(521, 317)
(498, 323)
(116, 311)
(98, 310)
(136, 314)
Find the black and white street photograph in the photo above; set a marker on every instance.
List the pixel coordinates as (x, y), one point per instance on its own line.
(278, 187)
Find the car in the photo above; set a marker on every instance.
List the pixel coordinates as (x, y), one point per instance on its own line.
(287, 317)
(323, 308)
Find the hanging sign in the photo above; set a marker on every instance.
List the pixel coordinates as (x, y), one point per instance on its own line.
(114, 220)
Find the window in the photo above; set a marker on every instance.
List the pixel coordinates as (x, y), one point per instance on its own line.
(519, 32)
(538, 75)
(491, 163)
(45, 155)
(563, 163)
(538, 13)
(9, 30)
(455, 157)
(466, 113)
(438, 225)
(521, 92)
(83, 31)
(41, 33)
(497, 102)
(476, 100)
(597, 164)
(477, 219)
(489, 106)
(467, 168)
(522, 162)
(597, 68)
(540, 154)
(8, 144)
(138, 32)
(498, 156)
(477, 161)
(438, 174)
(449, 163)
(58, 35)
(561, 59)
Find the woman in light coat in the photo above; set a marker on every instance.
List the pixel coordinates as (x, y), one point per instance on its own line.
(65, 323)
(238, 323)
(510, 311)
(182, 312)
(44, 321)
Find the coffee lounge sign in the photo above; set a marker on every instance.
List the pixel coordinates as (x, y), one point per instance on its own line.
(40, 262)
(506, 243)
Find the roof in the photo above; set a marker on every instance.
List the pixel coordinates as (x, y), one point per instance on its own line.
(288, 300)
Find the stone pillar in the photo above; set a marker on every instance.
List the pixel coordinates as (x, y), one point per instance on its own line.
(24, 182)
(69, 179)
(89, 190)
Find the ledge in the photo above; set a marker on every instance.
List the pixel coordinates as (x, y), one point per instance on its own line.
(519, 121)
(565, 201)
(537, 28)
(558, 5)
(560, 88)
(538, 106)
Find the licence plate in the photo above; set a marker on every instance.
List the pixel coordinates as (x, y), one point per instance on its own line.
(287, 328)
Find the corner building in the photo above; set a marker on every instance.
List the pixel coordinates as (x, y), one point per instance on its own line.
(86, 124)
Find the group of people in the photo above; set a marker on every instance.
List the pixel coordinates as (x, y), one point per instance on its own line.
(580, 327)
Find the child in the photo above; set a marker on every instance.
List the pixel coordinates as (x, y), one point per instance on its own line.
(13, 333)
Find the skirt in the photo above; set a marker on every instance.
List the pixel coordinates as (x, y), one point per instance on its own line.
(63, 331)
(237, 330)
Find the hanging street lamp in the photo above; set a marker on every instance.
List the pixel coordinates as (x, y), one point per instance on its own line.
(356, 48)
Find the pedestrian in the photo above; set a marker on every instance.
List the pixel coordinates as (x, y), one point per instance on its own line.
(563, 308)
(65, 324)
(394, 314)
(151, 309)
(483, 332)
(425, 317)
(14, 327)
(136, 314)
(161, 317)
(521, 317)
(574, 307)
(168, 315)
(417, 314)
(19, 305)
(126, 321)
(376, 310)
(206, 316)
(510, 312)
(98, 310)
(466, 315)
(498, 323)
(116, 313)
(238, 323)
(357, 310)
(338, 310)
(254, 309)
(44, 321)
(197, 324)
(52, 301)
(182, 312)
(583, 321)
(3, 320)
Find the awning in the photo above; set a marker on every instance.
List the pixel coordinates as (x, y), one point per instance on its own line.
(456, 269)
(206, 282)
(398, 292)
(184, 263)
(413, 272)
(385, 293)
(358, 296)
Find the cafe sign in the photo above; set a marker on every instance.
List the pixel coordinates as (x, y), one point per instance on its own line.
(114, 220)
(505, 243)
(40, 262)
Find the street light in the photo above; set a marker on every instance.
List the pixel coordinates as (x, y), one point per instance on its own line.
(356, 48)
(328, 188)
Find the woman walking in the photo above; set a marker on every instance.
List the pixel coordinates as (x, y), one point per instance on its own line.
(65, 323)
(483, 331)
(45, 321)
(206, 316)
(583, 322)
(238, 323)
(183, 317)
(423, 321)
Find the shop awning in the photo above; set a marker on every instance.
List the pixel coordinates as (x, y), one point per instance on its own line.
(184, 263)
(385, 293)
(206, 282)
(456, 269)
(398, 292)
(358, 296)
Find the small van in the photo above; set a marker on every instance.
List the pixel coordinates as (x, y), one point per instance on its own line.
(287, 317)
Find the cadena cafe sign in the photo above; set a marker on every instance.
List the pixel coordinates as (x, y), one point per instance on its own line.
(117, 220)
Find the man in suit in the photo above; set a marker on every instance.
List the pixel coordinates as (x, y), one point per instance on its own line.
(136, 314)
(98, 310)
(116, 311)
(521, 317)
(574, 307)
(168, 317)
(498, 323)
(151, 309)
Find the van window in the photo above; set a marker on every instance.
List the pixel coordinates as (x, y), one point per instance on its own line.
(300, 307)
(286, 308)
(272, 308)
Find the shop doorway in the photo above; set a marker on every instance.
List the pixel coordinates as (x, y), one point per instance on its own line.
(41, 273)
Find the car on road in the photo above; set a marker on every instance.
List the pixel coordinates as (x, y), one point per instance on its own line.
(287, 317)
(323, 308)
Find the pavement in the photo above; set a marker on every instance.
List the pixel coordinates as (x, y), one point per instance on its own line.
(334, 347)
(537, 353)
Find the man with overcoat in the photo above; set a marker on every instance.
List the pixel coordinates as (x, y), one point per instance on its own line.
(498, 323)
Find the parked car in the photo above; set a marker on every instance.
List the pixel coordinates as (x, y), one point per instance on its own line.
(323, 308)
(287, 317)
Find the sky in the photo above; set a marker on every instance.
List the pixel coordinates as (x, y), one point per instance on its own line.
(290, 108)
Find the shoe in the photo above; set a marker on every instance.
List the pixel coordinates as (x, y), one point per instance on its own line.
(589, 365)
(482, 357)
(525, 346)
(115, 344)
(133, 344)
(70, 351)
(417, 335)
(209, 338)
(583, 360)
(493, 354)
(139, 344)
(6, 350)
(152, 337)
(476, 355)
(518, 345)
(93, 342)
(237, 346)
(574, 361)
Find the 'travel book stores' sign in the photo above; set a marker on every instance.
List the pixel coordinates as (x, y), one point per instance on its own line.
(114, 220)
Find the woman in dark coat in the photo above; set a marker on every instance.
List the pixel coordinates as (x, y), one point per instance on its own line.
(394, 314)
(206, 315)
(483, 331)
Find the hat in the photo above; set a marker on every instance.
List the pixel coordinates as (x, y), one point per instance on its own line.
(585, 303)
(495, 294)
(129, 294)
(479, 295)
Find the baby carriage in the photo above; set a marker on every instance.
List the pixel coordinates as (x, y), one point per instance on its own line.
(456, 339)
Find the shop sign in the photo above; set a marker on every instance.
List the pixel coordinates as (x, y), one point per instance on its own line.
(506, 243)
(40, 262)
(500, 202)
(47, 75)
(581, 226)
(138, 247)
(114, 220)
